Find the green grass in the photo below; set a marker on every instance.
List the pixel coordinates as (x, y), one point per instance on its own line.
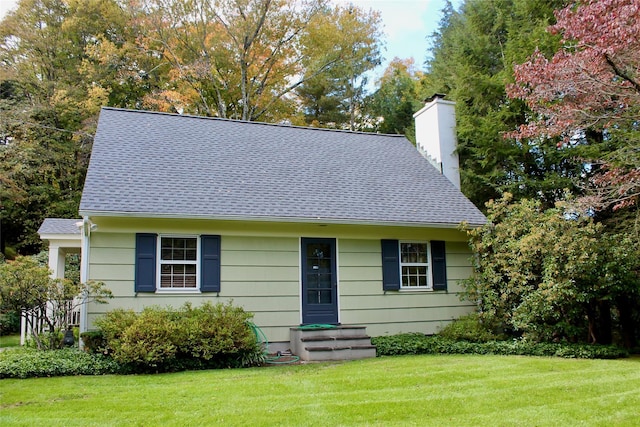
(407, 390)
(9, 341)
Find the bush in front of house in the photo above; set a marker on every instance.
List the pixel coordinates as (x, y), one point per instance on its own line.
(471, 328)
(93, 341)
(30, 362)
(416, 343)
(164, 339)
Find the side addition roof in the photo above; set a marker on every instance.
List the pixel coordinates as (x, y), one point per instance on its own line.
(61, 233)
(165, 165)
(59, 226)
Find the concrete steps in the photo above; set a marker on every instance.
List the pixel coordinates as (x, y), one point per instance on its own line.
(339, 343)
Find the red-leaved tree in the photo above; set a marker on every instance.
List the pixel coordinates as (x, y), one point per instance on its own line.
(591, 84)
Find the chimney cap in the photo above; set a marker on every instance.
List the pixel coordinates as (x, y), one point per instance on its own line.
(435, 96)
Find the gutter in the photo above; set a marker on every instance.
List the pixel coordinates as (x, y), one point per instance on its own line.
(297, 220)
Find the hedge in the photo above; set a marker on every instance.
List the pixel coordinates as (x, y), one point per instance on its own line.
(416, 343)
(30, 362)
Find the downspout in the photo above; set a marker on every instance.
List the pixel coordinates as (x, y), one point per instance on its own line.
(85, 234)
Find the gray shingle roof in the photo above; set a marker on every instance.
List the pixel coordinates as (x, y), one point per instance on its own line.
(157, 164)
(59, 226)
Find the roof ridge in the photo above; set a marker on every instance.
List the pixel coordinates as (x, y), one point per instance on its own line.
(192, 116)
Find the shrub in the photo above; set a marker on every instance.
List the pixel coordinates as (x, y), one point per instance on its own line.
(213, 330)
(163, 339)
(28, 362)
(470, 328)
(94, 342)
(113, 324)
(151, 340)
(416, 343)
(551, 274)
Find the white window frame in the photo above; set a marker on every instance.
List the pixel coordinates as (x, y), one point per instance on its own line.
(160, 263)
(429, 285)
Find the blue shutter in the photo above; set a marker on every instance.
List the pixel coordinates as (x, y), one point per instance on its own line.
(390, 265)
(145, 273)
(438, 266)
(210, 264)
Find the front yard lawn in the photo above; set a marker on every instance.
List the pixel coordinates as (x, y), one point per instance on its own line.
(9, 341)
(404, 390)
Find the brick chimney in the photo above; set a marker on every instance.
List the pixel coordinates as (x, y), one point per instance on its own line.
(436, 136)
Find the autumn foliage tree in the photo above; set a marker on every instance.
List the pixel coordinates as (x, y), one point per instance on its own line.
(348, 39)
(244, 59)
(401, 92)
(61, 60)
(47, 107)
(591, 86)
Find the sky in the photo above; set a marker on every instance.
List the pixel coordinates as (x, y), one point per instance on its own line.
(407, 23)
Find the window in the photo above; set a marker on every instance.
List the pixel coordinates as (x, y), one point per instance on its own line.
(178, 262)
(174, 263)
(414, 265)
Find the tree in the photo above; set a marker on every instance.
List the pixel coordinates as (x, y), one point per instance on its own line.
(548, 274)
(334, 97)
(27, 287)
(62, 60)
(52, 85)
(400, 93)
(591, 85)
(473, 52)
(243, 59)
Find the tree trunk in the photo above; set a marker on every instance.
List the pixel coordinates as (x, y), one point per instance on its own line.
(604, 334)
(628, 328)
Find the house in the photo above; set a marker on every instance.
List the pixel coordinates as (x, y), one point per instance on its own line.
(297, 225)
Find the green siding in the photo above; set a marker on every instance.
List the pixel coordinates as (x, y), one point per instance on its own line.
(249, 272)
(350, 273)
(362, 300)
(108, 272)
(113, 240)
(261, 273)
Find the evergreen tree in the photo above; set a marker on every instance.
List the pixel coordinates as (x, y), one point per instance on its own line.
(473, 55)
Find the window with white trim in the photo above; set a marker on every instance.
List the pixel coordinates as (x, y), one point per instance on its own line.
(414, 265)
(178, 263)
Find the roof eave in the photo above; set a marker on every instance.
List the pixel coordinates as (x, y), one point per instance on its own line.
(60, 236)
(266, 219)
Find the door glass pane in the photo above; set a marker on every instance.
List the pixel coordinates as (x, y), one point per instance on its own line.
(324, 265)
(312, 281)
(319, 296)
(313, 297)
(324, 281)
(312, 266)
(319, 251)
(325, 296)
(318, 279)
